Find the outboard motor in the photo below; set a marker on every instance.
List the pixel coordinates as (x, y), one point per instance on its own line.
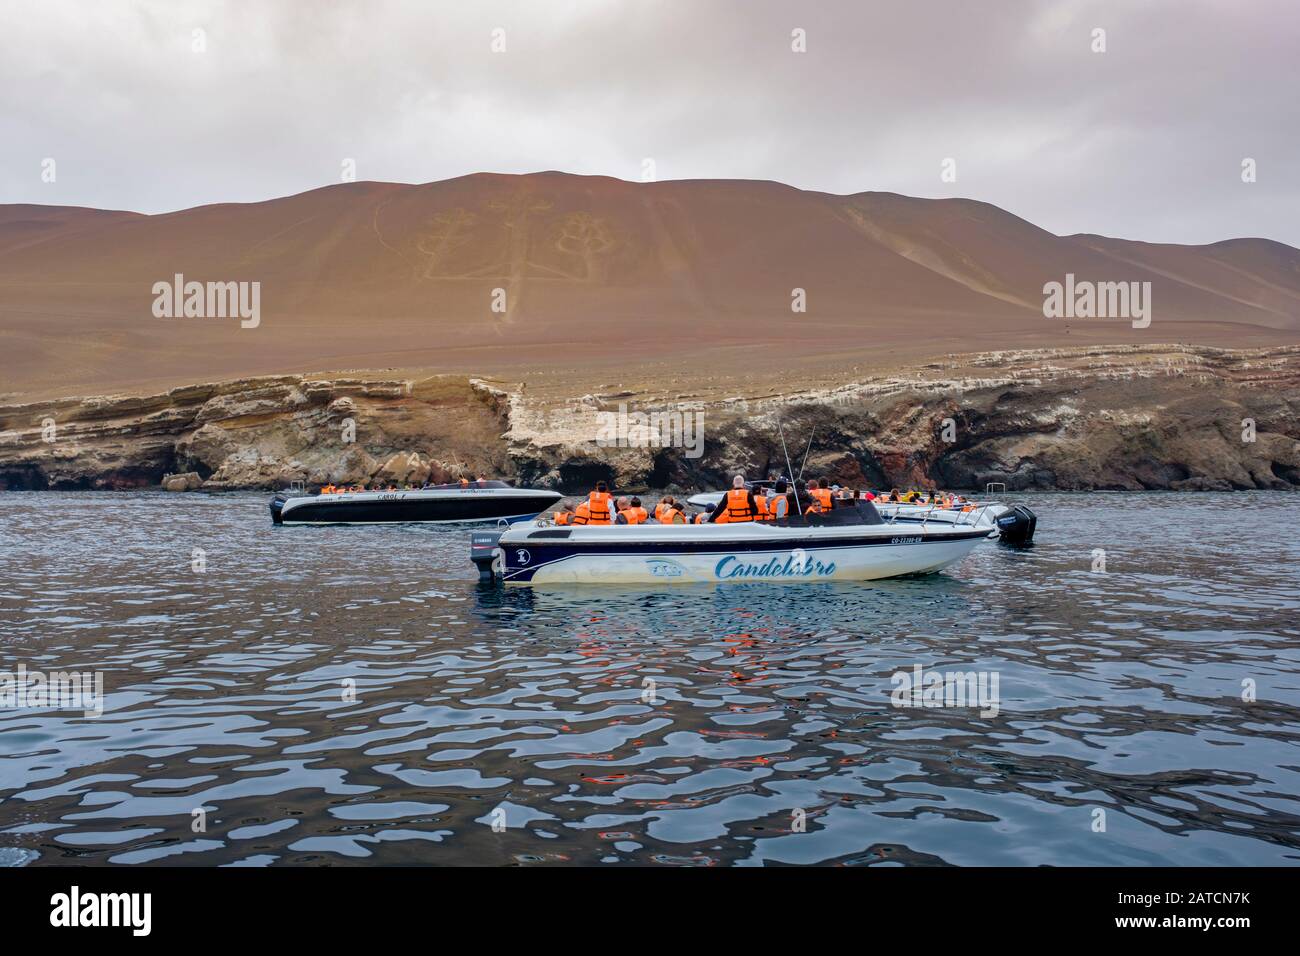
(1016, 527)
(277, 505)
(483, 551)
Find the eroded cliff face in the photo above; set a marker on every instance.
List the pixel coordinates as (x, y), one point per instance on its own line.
(259, 433)
(1076, 419)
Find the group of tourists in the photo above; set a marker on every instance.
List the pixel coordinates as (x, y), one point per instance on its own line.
(333, 489)
(600, 507)
(773, 500)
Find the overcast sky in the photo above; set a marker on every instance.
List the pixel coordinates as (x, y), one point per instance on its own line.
(1143, 141)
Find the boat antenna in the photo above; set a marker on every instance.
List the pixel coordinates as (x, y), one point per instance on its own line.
(806, 450)
(790, 470)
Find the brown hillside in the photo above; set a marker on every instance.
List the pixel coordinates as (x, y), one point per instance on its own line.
(596, 271)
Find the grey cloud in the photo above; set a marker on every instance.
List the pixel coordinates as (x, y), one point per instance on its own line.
(1144, 141)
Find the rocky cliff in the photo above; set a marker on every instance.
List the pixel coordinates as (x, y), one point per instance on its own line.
(1128, 417)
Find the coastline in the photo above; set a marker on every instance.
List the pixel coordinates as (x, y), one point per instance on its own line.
(1129, 418)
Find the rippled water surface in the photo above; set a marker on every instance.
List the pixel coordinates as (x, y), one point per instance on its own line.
(737, 724)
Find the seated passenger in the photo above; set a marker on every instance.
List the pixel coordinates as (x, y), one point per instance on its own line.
(633, 514)
(737, 505)
(820, 497)
(600, 505)
(780, 504)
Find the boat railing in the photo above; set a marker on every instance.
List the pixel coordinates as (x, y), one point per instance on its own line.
(995, 487)
(975, 516)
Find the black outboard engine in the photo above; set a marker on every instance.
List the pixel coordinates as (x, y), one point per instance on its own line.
(1016, 527)
(277, 505)
(483, 552)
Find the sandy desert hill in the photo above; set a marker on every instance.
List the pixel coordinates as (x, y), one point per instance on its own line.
(596, 271)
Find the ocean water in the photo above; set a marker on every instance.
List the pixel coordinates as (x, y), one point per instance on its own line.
(352, 696)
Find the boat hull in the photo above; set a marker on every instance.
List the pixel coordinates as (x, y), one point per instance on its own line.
(465, 506)
(712, 559)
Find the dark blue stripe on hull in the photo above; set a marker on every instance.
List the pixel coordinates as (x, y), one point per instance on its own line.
(479, 509)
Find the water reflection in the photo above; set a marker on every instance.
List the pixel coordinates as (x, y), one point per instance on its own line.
(352, 695)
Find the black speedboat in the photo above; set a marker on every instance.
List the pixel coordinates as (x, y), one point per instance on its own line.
(440, 504)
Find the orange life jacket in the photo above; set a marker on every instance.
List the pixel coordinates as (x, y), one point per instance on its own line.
(660, 510)
(699, 518)
(673, 516)
(822, 497)
(464, 482)
(581, 514)
(738, 506)
(764, 513)
(563, 517)
(600, 508)
(635, 515)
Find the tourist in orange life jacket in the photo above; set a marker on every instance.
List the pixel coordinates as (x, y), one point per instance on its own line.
(814, 501)
(600, 505)
(464, 482)
(674, 514)
(764, 507)
(631, 513)
(581, 514)
(565, 514)
(779, 504)
(737, 505)
(663, 507)
(819, 497)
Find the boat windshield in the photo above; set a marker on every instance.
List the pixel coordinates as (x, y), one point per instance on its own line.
(844, 513)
